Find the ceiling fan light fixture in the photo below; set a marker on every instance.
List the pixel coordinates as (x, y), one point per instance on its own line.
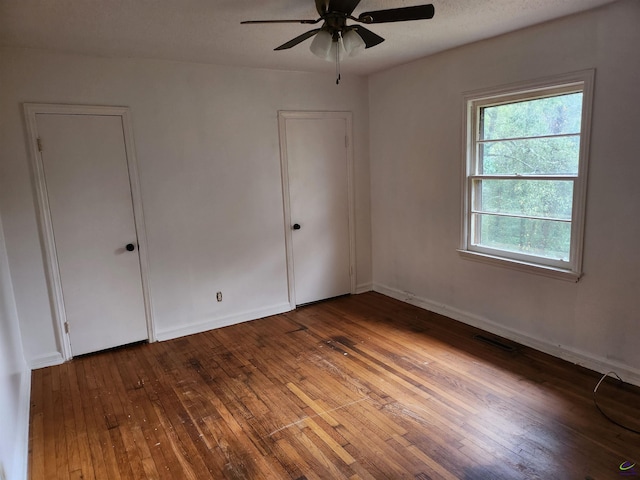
(329, 47)
(322, 45)
(337, 51)
(353, 43)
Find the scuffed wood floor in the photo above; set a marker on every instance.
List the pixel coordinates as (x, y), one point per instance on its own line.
(361, 387)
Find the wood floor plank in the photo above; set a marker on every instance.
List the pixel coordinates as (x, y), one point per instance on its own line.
(37, 440)
(51, 419)
(73, 460)
(361, 387)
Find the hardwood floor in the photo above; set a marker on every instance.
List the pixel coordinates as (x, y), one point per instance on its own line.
(361, 387)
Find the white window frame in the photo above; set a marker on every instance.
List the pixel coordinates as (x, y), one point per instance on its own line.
(578, 81)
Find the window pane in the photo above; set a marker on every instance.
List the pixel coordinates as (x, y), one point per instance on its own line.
(532, 156)
(544, 238)
(543, 116)
(536, 198)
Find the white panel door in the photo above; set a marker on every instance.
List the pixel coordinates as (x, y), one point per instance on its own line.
(87, 182)
(316, 152)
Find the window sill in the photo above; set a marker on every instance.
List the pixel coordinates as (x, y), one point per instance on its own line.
(552, 272)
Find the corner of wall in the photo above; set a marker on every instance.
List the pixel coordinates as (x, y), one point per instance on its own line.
(15, 381)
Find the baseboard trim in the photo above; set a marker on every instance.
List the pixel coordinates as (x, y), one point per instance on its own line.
(598, 364)
(363, 288)
(47, 360)
(162, 335)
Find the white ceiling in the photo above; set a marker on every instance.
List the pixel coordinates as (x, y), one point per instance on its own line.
(209, 31)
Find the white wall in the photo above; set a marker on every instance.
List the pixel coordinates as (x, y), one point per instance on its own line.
(416, 165)
(208, 156)
(15, 381)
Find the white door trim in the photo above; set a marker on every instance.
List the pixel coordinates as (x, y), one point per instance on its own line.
(283, 115)
(44, 214)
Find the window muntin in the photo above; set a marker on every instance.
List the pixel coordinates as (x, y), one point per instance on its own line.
(524, 184)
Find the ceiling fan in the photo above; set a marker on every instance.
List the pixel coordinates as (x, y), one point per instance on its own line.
(335, 39)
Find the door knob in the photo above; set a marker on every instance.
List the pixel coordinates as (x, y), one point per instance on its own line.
(130, 247)
(296, 226)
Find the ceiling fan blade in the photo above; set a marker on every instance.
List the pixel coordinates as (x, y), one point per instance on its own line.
(322, 6)
(310, 22)
(370, 38)
(342, 6)
(419, 12)
(298, 39)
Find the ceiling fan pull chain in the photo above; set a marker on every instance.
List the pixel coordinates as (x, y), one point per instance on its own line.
(338, 58)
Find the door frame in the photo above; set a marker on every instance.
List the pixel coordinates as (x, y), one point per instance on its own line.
(283, 116)
(52, 272)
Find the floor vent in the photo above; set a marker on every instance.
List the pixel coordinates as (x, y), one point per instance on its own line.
(496, 343)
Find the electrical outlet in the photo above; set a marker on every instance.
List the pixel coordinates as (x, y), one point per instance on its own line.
(219, 296)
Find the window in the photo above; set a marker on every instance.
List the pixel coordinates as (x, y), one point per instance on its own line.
(525, 175)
